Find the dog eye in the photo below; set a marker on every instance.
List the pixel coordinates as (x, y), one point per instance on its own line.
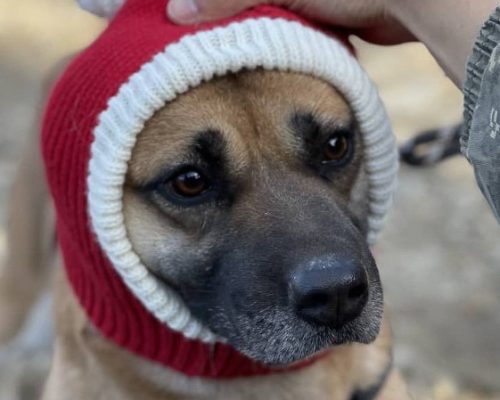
(189, 183)
(337, 148)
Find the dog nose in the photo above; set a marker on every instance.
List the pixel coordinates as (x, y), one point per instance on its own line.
(329, 292)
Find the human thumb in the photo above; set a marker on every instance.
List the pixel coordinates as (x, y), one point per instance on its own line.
(193, 11)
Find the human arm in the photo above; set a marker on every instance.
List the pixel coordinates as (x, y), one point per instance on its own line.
(447, 27)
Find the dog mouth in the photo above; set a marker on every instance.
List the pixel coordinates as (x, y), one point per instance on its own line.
(290, 354)
(277, 338)
(277, 324)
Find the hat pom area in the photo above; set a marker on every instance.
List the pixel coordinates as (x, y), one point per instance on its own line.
(101, 8)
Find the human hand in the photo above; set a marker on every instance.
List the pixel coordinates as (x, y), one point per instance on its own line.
(369, 19)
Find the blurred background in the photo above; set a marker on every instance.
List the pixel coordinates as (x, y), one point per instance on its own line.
(439, 256)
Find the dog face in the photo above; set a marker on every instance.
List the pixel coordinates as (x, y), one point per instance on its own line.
(247, 196)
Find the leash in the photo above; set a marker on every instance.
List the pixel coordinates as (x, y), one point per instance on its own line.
(431, 147)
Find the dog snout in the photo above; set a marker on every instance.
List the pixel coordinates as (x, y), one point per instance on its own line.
(329, 292)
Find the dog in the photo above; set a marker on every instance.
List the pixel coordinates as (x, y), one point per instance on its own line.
(216, 188)
(266, 226)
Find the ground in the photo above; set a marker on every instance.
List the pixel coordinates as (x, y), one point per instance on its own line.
(439, 256)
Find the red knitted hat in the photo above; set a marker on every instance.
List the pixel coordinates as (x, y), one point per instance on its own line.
(100, 104)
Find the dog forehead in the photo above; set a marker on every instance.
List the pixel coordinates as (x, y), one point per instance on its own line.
(250, 110)
(292, 88)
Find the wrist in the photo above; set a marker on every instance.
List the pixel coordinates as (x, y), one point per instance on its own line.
(448, 28)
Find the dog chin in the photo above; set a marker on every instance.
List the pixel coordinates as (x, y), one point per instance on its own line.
(292, 352)
(278, 338)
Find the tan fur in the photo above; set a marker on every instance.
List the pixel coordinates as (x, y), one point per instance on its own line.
(86, 366)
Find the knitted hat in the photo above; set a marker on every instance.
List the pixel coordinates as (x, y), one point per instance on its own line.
(141, 62)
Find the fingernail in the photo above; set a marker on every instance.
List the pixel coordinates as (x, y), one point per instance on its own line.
(183, 10)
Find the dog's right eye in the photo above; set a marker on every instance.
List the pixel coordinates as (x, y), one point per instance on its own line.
(189, 183)
(338, 148)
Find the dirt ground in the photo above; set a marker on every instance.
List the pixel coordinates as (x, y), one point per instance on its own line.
(439, 256)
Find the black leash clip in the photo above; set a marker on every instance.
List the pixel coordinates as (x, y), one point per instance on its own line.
(431, 147)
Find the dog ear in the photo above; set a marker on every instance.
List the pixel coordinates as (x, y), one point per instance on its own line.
(102, 8)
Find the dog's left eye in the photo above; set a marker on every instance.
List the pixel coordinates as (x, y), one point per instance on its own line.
(189, 183)
(337, 148)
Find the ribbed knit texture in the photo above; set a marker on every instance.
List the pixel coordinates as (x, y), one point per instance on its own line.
(93, 117)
